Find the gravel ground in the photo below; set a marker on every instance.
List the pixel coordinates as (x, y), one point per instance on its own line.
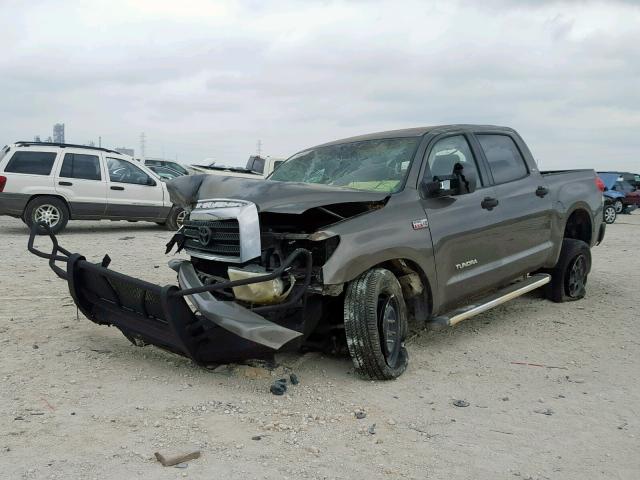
(550, 387)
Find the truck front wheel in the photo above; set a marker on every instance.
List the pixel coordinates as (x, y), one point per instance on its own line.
(569, 276)
(375, 322)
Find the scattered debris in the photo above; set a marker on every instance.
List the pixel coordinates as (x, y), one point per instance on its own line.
(279, 387)
(181, 465)
(460, 403)
(126, 238)
(537, 365)
(257, 437)
(372, 429)
(360, 414)
(100, 350)
(500, 431)
(35, 346)
(175, 460)
(546, 411)
(391, 421)
(293, 378)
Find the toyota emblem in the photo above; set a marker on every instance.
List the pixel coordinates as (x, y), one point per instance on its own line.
(205, 235)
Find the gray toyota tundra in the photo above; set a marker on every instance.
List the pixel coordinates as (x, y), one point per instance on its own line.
(352, 243)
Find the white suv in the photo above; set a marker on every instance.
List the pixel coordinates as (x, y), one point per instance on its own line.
(55, 183)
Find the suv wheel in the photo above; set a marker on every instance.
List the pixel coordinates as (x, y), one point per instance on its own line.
(50, 210)
(609, 214)
(375, 321)
(618, 206)
(176, 217)
(569, 276)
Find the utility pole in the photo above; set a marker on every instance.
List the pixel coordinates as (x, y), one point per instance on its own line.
(143, 141)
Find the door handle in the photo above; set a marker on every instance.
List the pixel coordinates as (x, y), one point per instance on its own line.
(117, 188)
(541, 191)
(65, 184)
(489, 203)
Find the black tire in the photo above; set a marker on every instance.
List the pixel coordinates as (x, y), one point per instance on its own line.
(375, 323)
(618, 205)
(569, 276)
(57, 216)
(175, 218)
(609, 214)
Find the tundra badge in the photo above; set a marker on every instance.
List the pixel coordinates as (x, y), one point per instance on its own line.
(468, 263)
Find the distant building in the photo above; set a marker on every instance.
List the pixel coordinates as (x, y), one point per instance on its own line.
(58, 133)
(37, 139)
(125, 151)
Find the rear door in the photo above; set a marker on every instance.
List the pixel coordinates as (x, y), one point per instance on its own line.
(462, 226)
(525, 206)
(81, 179)
(132, 193)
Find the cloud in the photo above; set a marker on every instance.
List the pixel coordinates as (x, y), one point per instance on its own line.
(208, 79)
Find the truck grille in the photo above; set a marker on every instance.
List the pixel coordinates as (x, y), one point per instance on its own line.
(219, 237)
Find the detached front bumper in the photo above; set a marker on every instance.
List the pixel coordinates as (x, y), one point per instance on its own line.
(213, 331)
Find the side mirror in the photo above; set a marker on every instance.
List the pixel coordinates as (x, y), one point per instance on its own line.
(151, 182)
(459, 183)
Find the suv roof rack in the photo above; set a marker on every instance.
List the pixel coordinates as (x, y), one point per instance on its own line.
(63, 145)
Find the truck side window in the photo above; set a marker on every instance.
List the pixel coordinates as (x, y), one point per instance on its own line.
(505, 160)
(34, 163)
(77, 165)
(121, 171)
(448, 152)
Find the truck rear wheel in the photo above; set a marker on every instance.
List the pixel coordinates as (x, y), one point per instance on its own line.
(375, 321)
(569, 276)
(50, 210)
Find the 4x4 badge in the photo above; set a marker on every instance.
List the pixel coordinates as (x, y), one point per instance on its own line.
(420, 224)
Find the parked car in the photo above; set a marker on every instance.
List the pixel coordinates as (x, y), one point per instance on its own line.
(257, 167)
(165, 173)
(612, 190)
(167, 164)
(352, 240)
(632, 178)
(56, 182)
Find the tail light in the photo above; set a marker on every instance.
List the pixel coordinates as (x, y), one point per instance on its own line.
(600, 184)
(3, 182)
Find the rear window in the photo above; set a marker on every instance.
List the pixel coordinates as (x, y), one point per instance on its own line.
(504, 158)
(34, 163)
(77, 165)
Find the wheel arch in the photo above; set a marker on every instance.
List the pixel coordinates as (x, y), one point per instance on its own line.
(579, 225)
(416, 287)
(52, 195)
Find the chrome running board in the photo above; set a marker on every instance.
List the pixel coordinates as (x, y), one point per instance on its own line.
(498, 298)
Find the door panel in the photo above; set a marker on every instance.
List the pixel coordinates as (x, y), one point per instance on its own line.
(525, 206)
(81, 180)
(129, 194)
(462, 229)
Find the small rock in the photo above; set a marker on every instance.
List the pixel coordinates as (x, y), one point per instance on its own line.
(460, 403)
(256, 437)
(35, 347)
(372, 429)
(391, 421)
(313, 449)
(359, 414)
(181, 465)
(293, 378)
(546, 411)
(278, 387)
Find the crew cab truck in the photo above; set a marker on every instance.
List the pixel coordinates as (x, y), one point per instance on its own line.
(355, 241)
(57, 182)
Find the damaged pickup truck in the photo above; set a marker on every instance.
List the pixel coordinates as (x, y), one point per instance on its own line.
(351, 242)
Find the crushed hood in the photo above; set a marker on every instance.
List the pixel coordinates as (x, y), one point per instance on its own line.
(268, 195)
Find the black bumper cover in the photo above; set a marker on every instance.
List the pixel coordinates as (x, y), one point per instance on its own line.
(217, 332)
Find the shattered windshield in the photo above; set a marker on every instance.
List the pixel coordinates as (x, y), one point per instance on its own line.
(373, 165)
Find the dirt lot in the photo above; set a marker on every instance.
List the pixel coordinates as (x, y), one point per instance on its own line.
(78, 401)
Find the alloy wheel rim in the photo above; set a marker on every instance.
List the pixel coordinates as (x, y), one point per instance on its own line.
(618, 206)
(389, 328)
(180, 218)
(577, 276)
(610, 214)
(48, 214)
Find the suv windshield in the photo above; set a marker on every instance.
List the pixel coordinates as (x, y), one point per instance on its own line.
(373, 165)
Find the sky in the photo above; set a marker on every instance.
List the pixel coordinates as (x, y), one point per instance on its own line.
(208, 79)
